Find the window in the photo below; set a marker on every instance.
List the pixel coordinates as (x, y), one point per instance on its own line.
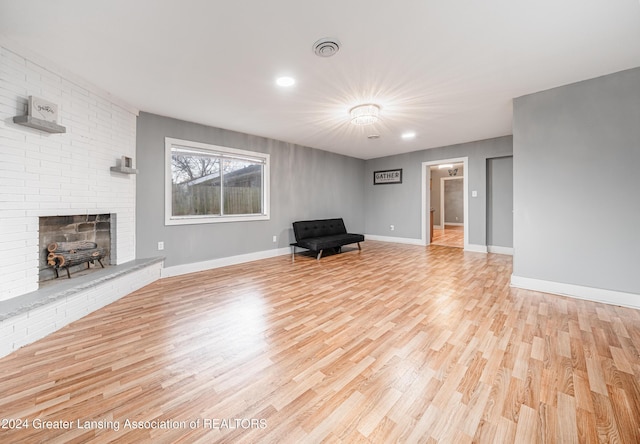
(209, 183)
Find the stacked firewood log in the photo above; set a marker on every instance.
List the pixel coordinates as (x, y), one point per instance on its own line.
(67, 254)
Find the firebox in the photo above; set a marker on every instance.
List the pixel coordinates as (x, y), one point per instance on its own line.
(80, 229)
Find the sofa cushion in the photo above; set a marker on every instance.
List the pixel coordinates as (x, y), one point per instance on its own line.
(307, 229)
(331, 241)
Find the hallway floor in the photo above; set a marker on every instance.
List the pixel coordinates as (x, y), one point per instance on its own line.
(451, 236)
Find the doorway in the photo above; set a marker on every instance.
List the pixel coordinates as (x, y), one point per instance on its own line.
(435, 229)
(500, 205)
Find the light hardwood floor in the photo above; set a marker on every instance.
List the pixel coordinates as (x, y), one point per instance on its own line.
(450, 236)
(395, 343)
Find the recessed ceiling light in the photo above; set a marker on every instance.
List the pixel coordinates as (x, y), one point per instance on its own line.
(285, 81)
(409, 135)
(373, 136)
(443, 166)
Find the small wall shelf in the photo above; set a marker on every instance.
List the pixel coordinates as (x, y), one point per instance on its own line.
(124, 166)
(39, 124)
(124, 170)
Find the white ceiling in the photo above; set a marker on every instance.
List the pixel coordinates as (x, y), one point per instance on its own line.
(446, 70)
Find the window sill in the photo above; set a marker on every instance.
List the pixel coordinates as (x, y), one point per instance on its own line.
(214, 219)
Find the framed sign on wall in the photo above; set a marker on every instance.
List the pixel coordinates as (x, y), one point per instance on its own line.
(387, 177)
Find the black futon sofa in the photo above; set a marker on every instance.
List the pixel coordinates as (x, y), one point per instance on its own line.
(322, 234)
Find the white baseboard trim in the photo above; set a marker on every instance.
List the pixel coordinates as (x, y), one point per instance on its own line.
(454, 224)
(437, 227)
(476, 248)
(395, 240)
(630, 300)
(178, 270)
(404, 240)
(500, 250)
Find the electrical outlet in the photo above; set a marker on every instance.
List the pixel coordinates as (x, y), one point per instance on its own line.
(392, 227)
(275, 239)
(160, 245)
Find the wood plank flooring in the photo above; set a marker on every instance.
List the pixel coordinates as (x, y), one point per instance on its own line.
(450, 236)
(396, 343)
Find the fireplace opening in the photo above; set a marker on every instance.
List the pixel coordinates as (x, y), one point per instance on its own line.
(82, 229)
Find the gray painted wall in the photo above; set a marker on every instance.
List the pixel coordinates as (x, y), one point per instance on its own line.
(500, 202)
(401, 204)
(565, 224)
(436, 175)
(306, 183)
(453, 201)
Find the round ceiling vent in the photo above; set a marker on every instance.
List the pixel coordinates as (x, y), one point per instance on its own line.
(326, 47)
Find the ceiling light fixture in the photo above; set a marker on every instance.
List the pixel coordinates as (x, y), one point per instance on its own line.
(285, 81)
(409, 135)
(443, 166)
(365, 114)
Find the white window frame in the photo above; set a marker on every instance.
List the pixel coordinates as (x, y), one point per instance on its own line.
(169, 219)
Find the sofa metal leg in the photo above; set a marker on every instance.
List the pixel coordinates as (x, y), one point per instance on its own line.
(359, 247)
(293, 253)
(319, 254)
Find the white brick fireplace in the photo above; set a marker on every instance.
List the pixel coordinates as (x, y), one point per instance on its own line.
(43, 174)
(62, 174)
